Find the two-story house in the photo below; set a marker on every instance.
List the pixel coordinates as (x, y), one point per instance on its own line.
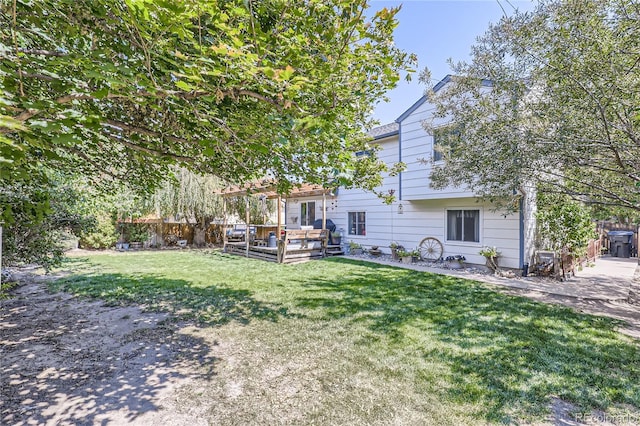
(455, 216)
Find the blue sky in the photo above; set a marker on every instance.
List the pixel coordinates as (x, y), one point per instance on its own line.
(436, 31)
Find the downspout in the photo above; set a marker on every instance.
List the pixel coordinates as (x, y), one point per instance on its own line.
(400, 160)
(521, 260)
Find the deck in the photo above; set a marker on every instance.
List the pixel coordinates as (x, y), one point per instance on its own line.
(296, 246)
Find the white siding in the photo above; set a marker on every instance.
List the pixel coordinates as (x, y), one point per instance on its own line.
(293, 209)
(427, 218)
(417, 145)
(422, 218)
(377, 212)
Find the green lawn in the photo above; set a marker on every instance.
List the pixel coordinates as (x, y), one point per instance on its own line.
(366, 343)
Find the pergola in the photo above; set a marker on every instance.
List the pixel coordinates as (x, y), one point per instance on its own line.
(268, 189)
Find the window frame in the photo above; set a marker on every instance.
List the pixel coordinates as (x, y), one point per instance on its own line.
(447, 129)
(303, 217)
(357, 223)
(462, 241)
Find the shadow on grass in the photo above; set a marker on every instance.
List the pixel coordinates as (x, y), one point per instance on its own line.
(209, 305)
(508, 353)
(82, 363)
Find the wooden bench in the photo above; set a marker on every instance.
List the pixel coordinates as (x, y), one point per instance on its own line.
(299, 245)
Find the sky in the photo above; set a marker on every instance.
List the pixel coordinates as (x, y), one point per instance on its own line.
(436, 30)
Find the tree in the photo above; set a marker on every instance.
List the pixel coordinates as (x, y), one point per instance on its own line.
(564, 224)
(551, 98)
(40, 212)
(191, 196)
(239, 89)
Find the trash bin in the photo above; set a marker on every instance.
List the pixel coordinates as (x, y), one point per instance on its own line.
(620, 243)
(272, 240)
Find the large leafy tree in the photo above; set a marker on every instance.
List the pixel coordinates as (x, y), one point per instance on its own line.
(549, 97)
(236, 88)
(190, 196)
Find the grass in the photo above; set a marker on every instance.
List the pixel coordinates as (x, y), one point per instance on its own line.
(365, 343)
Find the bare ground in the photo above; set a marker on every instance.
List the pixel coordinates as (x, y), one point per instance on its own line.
(67, 361)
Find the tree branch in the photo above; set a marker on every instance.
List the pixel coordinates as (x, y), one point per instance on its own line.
(144, 131)
(41, 52)
(156, 152)
(232, 93)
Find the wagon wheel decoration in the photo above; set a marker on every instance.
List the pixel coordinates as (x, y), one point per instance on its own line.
(430, 249)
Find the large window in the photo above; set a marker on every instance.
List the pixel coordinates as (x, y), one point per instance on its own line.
(463, 225)
(444, 140)
(307, 213)
(357, 223)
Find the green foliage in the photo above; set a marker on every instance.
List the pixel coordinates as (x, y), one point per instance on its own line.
(489, 251)
(408, 253)
(138, 232)
(187, 194)
(121, 90)
(260, 208)
(354, 246)
(103, 235)
(550, 98)
(564, 224)
(38, 215)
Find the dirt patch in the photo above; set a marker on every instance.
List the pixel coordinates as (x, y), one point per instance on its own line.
(74, 362)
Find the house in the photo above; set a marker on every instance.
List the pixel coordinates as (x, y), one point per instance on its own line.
(454, 216)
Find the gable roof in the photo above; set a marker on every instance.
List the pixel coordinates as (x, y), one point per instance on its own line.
(485, 82)
(384, 131)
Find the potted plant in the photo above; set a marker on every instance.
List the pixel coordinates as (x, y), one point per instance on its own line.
(355, 248)
(394, 250)
(407, 256)
(491, 255)
(456, 262)
(336, 238)
(375, 251)
(138, 235)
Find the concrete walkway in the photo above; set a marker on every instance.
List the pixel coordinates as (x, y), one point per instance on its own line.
(609, 280)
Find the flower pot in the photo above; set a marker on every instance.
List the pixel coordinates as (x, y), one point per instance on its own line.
(456, 264)
(356, 251)
(407, 259)
(492, 263)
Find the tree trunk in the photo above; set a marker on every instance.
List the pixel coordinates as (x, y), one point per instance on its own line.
(200, 234)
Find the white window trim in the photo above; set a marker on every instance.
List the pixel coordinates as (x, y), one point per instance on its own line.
(480, 223)
(314, 210)
(347, 234)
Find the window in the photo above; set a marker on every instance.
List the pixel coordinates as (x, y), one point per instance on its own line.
(444, 138)
(463, 225)
(357, 223)
(307, 213)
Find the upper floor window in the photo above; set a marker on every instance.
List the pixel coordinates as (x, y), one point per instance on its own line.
(463, 225)
(307, 213)
(444, 139)
(357, 223)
